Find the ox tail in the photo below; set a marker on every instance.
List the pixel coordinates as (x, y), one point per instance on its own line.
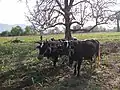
(98, 55)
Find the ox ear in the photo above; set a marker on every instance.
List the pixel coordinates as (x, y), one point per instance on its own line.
(38, 42)
(52, 39)
(38, 46)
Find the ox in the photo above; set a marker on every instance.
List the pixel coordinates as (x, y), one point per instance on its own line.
(48, 49)
(83, 50)
(53, 49)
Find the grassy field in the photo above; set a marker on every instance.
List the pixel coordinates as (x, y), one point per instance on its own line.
(20, 68)
(102, 36)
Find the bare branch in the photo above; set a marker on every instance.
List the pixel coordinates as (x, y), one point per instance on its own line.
(59, 5)
(96, 26)
(76, 22)
(59, 12)
(81, 2)
(71, 2)
(55, 25)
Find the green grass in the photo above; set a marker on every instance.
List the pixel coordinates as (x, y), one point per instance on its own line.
(102, 36)
(11, 54)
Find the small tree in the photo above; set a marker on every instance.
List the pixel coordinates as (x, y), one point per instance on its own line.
(28, 30)
(17, 31)
(5, 33)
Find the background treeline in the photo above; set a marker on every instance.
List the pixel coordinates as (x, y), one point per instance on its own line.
(18, 31)
(29, 30)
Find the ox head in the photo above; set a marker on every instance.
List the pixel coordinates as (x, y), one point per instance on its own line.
(44, 49)
(72, 50)
(67, 44)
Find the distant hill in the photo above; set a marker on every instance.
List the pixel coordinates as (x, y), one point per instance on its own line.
(4, 27)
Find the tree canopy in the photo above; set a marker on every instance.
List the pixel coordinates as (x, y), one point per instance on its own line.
(16, 31)
(4, 33)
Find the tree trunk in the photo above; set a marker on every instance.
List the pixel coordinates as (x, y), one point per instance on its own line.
(118, 28)
(68, 35)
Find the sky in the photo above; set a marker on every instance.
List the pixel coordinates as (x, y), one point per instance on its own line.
(13, 12)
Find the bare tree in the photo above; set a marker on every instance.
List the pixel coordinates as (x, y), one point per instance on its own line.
(50, 13)
(101, 12)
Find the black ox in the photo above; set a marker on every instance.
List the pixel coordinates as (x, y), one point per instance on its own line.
(76, 50)
(53, 49)
(83, 50)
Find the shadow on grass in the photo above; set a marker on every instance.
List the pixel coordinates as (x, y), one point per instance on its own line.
(59, 77)
(70, 82)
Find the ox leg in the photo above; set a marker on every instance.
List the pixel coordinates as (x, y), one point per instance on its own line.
(71, 62)
(54, 61)
(75, 68)
(91, 63)
(78, 68)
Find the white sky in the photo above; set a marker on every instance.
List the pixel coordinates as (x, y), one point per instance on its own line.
(13, 12)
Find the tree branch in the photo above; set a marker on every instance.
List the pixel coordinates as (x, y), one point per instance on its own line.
(95, 26)
(76, 22)
(81, 2)
(54, 25)
(59, 5)
(59, 12)
(57, 24)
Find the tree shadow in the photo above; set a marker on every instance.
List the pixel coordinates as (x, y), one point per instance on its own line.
(72, 82)
(49, 77)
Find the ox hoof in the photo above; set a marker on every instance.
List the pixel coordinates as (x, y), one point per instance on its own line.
(78, 75)
(54, 66)
(74, 73)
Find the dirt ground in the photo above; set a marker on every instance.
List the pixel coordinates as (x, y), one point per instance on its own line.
(43, 76)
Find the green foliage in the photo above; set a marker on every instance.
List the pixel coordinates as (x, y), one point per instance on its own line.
(18, 61)
(5, 33)
(12, 54)
(28, 30)
(16, 31)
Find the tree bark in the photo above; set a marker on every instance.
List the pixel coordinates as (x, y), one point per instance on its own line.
(68, 35)
(118, 28)
(67, 8)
